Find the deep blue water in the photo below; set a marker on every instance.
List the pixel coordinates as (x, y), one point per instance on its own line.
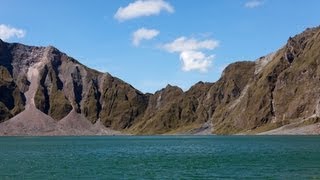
(160, 157)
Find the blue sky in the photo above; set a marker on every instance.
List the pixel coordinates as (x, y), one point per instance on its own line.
(152, 43)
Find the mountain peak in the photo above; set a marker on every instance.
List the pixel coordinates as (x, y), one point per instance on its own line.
(52, 48)
(2, 43)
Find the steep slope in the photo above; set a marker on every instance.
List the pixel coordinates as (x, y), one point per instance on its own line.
(171, 110)
(250, 97)
(12, 100)
(48, 83)
(227, 94)
(45, 92)
(283, 91)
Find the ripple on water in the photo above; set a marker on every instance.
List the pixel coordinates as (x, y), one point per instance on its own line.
(160, 157)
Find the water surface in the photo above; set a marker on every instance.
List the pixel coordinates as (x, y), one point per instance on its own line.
(160, 157)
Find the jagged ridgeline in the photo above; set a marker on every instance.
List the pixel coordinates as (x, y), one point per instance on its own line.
(43, 91)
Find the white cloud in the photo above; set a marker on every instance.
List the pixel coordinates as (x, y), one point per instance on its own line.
(185, 44)
(190, 52)
(7, 32)
(141, 8)
(195, 60)
(253, 4)
(143, 34)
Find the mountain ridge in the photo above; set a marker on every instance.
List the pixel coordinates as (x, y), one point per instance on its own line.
(279, 90)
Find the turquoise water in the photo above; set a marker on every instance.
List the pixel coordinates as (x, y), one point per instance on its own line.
(160, 157)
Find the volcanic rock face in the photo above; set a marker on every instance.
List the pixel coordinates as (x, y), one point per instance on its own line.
(45, 91)
(43, 78)
(12, 100)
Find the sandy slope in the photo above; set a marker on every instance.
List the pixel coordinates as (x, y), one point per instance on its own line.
(77, 124)
(34, 122)
(313, 129)
(29, 122)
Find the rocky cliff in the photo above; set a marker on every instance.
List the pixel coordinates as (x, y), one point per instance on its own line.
(44, 91)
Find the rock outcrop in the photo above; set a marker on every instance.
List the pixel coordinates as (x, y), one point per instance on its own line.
(12, 100)
(46, 80)
(44, 91)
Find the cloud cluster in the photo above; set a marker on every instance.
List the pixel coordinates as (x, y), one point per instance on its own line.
(195, 60)
(190, 49)
(143, 34)
(190, 52)
(7, 32)
(141, 8)
(253, 4)
(185, 44)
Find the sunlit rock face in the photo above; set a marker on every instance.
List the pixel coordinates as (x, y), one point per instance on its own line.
(282, 88)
